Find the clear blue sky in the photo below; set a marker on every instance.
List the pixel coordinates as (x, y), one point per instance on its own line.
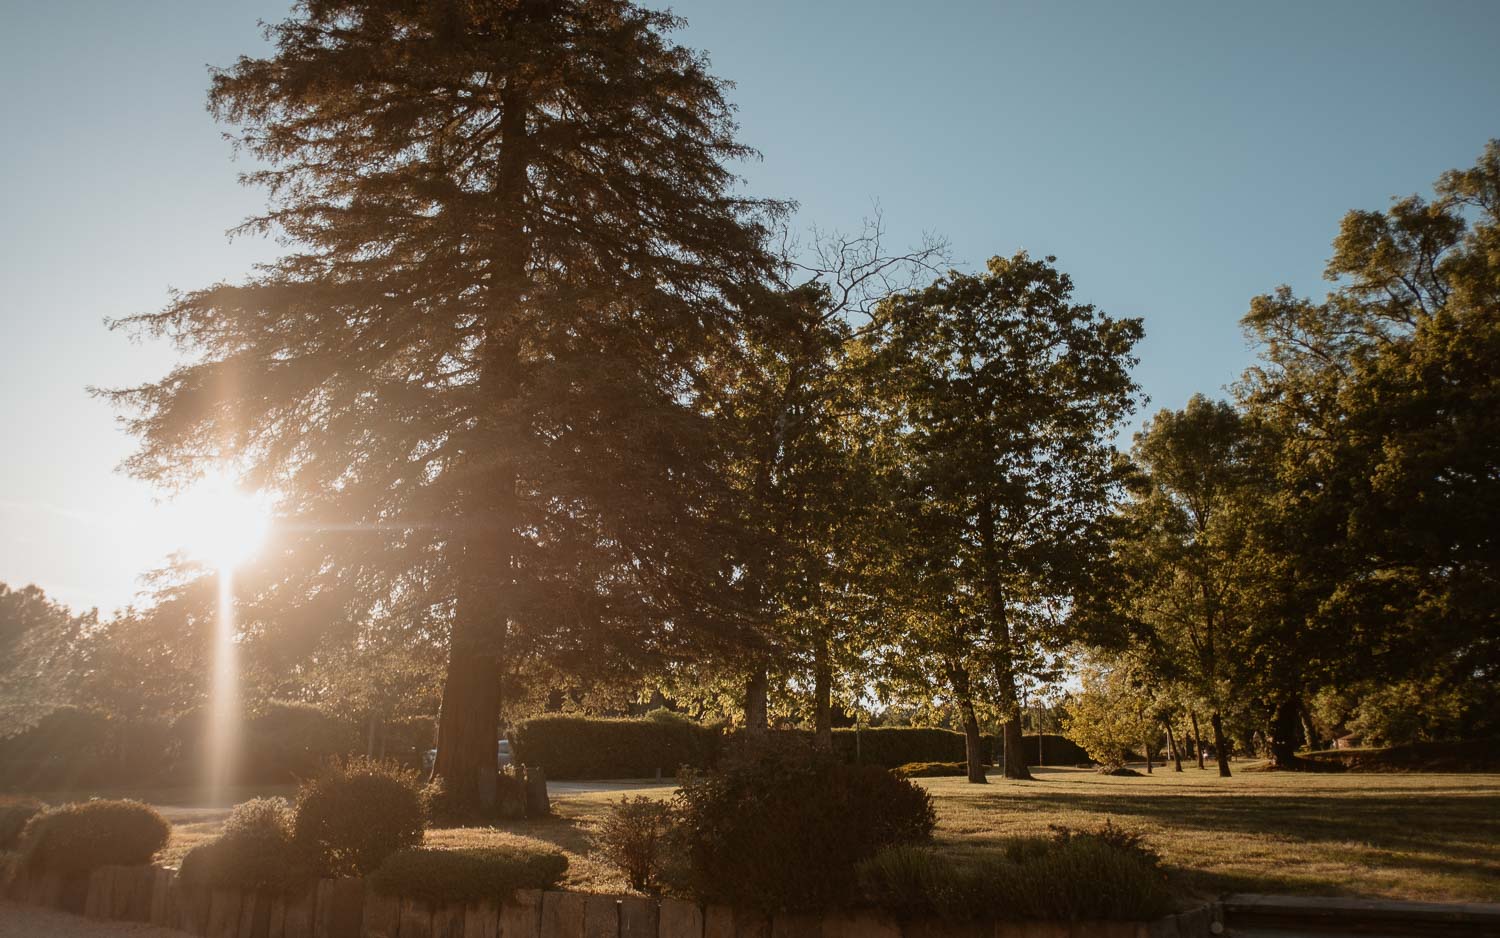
(1178, 158)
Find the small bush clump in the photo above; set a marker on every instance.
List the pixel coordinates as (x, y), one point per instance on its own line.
(783, 827)
(76, 838)
(471, 874)
(635, 837)
(355, 813)
(1070, 876)
(14, 813)
(256, 850)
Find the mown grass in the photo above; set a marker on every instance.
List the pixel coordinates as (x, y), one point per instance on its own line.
(1410, 836)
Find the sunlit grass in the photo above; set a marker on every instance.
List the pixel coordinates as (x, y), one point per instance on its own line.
(1412, 836)
(1406, 836)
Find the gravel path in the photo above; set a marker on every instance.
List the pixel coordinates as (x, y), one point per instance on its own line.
(27, 921)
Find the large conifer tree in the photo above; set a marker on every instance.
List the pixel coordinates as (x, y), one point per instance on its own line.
(513, 237)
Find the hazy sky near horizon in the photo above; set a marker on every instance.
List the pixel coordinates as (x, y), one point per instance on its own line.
(1178, 158)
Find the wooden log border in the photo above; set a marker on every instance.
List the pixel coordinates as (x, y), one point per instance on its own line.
(345, 908)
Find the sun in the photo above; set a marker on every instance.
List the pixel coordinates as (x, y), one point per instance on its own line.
(221, 524)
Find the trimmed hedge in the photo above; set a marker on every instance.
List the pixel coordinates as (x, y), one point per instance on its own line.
(471, 874)
(594, 747)
(80, 748)
(283, 742)
(76, 838)
(1055, 750)
(894, 746)
(591, 747)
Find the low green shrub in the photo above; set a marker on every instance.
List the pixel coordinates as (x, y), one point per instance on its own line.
(471, 874)
(76, 838)
(1069, 876)
(14, 813)
(778, 826)
(635, 836)
(932, 769)
(256, 851)
(588, 747)
(355, 813)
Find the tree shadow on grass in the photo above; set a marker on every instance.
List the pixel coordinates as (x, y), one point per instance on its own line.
(1454, 832)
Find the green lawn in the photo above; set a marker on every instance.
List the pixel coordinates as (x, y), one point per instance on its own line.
(1414, 836)
(1397, 835)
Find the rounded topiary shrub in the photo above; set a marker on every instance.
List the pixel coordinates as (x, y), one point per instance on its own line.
(471, 874)
(782, 827)
(355, 813)
(76, 838)
(256, 850)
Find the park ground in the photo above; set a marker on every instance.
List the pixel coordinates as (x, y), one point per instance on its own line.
(1410, 836)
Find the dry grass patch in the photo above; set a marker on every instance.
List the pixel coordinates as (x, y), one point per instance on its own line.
(1402, 836)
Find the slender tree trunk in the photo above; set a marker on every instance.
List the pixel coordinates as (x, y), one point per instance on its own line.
(1283, 736)
(370, 738)
(963, 693)
(1197, 738)
(822, 696)
(1221, 747)
(756, 690)
(1147, 746)
(1172, 745)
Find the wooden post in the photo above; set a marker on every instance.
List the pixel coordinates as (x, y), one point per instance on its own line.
(562, 914)
(601, 917)
(382, 916)
(680, 919)
(482, 920)
(521, 917)
(637, 918)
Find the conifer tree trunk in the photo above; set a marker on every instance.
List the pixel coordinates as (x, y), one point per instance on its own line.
(469, 721)
(1221, 745)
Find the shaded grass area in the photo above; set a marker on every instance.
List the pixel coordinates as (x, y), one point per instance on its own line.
(1402, 836)
(1410, 836)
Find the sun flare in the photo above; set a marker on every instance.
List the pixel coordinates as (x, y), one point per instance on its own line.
(222, 524)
